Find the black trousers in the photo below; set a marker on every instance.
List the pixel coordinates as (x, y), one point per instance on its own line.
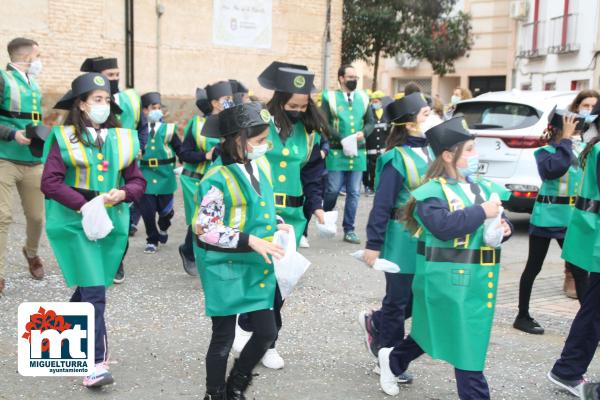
(152, 204)
(307, 212)
(188, 245)
(223, 333)
(584, 335)
(246, 323)
(97, 296)
(471, 385)
(538, 248)
(369, 174)
(396, 308)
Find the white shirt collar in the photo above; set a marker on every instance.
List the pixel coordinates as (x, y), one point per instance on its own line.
(254, 170)
(94, 135)
(23, 74)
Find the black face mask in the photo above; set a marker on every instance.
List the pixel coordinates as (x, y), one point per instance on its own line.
(294, 116)
(114, 86)
(351, 85)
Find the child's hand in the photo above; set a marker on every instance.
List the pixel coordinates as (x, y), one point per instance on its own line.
(265, 249)
(491, 208)
(284, 227)
(370, 256)
(505, 228)
(569, 124)
(320, 214)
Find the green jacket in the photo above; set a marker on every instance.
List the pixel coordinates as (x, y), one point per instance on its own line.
(159, 175)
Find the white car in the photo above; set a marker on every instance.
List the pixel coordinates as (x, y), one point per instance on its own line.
(509, 127)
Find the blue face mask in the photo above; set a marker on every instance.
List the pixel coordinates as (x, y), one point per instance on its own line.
(155, 116)
(471, 168)
(586, 114)
(227, 104)
(376, 106)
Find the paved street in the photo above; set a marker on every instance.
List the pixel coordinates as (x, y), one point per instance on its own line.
(158, 334)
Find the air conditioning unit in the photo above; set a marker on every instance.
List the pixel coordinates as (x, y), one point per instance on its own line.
(518, 9)
(406, 61)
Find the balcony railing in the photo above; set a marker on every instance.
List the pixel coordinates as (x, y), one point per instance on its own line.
(563, 35)
(532, 40)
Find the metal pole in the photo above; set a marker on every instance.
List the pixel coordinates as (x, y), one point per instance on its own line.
(160, 9)
(327, 47)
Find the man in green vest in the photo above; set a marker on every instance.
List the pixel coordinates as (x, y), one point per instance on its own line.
(131, 117)
(348, 113)
(20, 106)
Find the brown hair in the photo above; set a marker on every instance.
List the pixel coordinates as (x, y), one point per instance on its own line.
(464, 93)
(437, 169)
(587, 150)
(399, 133)
(17, 44)
(80, 121)
(231, 148)
(584, 94)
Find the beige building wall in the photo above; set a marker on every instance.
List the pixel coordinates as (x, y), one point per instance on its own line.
(492, 54)
(69, 31)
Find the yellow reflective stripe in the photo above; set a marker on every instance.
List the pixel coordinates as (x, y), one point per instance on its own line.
(264, 165)
(15, 93)
(67, 142)
(133, 98)
(310, 142)
(412, 172)
(451, 195)
(168, 138)
(332, 100)
(86, 162)
(237, 217)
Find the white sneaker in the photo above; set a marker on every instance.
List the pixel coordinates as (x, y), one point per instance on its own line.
(387, 379)
(304, 242)
(100, 376)
(272, 359)
(241, 338)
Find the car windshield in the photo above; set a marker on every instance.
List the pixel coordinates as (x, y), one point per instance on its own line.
(497, 115)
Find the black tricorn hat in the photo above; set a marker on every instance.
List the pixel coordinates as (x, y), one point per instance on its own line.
(151, 98)
(98, 64)
(38, 135)
(405, 107)
(202, 101)
(555, 119)
(447, 134)
(218, 90)
(84, 84)
(237, 86)
(233, 119)
(288, 78)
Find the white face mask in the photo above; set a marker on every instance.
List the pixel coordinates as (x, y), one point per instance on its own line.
(99, 113)
(257, 151)
(35, 67)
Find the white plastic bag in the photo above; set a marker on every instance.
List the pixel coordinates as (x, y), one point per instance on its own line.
(380, 263)
(290, 268)
(177, 171)
(95, 220)
(350, 146)
(328, 230)
(492, 227)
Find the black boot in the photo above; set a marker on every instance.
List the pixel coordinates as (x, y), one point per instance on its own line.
(237, 383)
(216, 393)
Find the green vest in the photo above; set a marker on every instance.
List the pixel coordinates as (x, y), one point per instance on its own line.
(399, 246)
(19, 97)
(84, 262)
(346, 120)
(160, 178)
(238, 282)
(287, 160)
(582, 242)
(546, 214)
(189, 184)
(453, 306)
(130, 103)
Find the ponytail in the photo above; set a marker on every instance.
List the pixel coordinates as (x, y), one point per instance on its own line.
(587, 150)
(399, 133)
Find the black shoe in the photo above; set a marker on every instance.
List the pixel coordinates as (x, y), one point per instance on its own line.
(216, 394)
(120, 275)
(163, 237)
(189, 266)
(237, 383)
(591, 391)
(132, 230)
(528, 325)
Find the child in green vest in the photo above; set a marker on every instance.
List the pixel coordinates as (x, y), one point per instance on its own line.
(234, 222)
(157, 165)
(581, 245)
(399, 170)
(456, 275)
(197, 154)
(296, 164)
(87, 157)
(558, 167)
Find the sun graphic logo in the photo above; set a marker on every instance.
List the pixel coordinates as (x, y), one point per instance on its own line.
(56, 339)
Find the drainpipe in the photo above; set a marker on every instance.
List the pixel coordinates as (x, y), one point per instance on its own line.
(327, 48)
(160, 10)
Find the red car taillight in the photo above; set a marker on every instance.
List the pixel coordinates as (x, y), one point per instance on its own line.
(524, 142)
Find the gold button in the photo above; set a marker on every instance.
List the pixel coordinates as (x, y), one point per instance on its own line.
(351, 161)
(266, 272)
(281, 178)
(491, 285)
(335, 153)
(283, 164)
(197, 183)
(490, 305)
(490, 295)
(461, 271)
(285, 152)
(262, 285)
(262, 204)
(352, 123)
(152, 141)
(266, 215)
(100, 178)
(490, 275)
(154, 181)
(268, 227)
(351, 166)
(152, 148)
(100, 168)
(100, 156)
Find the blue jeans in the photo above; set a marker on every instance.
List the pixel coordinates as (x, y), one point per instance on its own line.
(335, 182)
(396, 307)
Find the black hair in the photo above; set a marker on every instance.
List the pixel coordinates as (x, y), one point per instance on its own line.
(342, 69)
(80, 121)
(312, 119)
(399, 133)
(231, 148)
(411, 87)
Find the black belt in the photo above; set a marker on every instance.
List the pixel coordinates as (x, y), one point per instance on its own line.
(556, 199)
(87, 194)
(482, 256)
(588, 205)
(191, 174)
(155, 162)
(397, 213)
(339, 146)
(210, 247)
(33, 116)
(283, 200)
